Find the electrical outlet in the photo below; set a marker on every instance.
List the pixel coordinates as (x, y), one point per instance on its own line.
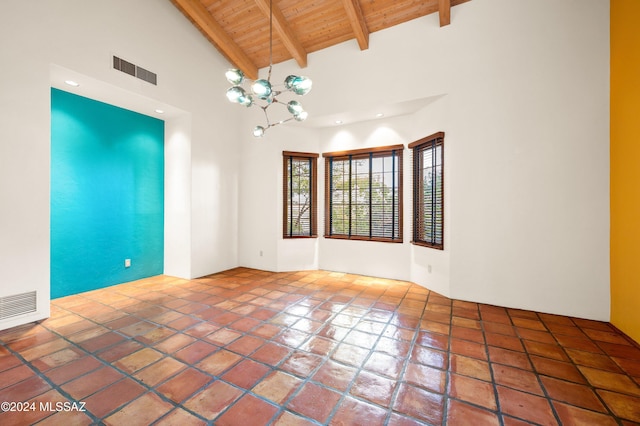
(260, 253)
(127, 263)
(429, 268)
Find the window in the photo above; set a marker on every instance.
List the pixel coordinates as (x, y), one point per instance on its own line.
(364, 194)
(428, 191)
(299, 185)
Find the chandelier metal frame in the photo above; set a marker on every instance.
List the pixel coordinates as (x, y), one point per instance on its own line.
(263, 94)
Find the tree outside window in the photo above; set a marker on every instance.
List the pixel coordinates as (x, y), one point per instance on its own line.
(364, 194)
(299, 195)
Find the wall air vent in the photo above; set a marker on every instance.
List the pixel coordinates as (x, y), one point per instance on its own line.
(134, 70)
(18, 304)
(147, 76)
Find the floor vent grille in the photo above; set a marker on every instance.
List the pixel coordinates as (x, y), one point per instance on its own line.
(18, 304)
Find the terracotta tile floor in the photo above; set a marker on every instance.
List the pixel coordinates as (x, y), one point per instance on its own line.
(248, 347)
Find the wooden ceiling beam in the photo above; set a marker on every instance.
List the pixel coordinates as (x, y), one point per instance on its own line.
(356, 18)
(200, 16)
(444, 10)
(285, 32)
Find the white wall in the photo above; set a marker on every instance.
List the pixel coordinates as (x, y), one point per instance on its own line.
(530, 189)
(525, 109)
(177, 193)
(260, 239)
(202, 153)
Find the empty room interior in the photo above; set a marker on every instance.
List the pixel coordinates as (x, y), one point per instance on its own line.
(320, 212)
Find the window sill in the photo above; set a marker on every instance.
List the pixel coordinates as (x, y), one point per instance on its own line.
(358, 238)
(428, 245)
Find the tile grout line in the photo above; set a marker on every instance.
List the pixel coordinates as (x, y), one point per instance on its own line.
(394, 394)
(280, 407)
(447, 374)
(53, 386)
(309, 377)
(153, 388)
(131, 375)
(494, 384)
(148, 389)
(587, 381)
(286, 284)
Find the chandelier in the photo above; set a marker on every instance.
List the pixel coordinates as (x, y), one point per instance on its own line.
(264, 94)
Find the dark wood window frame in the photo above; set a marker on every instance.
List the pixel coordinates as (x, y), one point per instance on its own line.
(434, 237)
(288, 159)
(396, 153)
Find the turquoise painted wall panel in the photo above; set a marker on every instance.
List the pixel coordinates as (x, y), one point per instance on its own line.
(107, 194)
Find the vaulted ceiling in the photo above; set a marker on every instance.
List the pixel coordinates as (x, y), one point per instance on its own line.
(240, 29)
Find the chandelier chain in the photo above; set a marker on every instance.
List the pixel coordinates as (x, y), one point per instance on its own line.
(264, 94)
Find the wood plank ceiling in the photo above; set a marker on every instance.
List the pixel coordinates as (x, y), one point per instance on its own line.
(239, 29)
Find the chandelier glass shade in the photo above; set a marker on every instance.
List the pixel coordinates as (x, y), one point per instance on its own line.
(264, 94)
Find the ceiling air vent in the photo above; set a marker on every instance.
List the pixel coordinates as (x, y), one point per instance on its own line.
(134, 70)
(18, 304)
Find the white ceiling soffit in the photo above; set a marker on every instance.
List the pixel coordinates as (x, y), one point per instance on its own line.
(100, 91)
(370, 113)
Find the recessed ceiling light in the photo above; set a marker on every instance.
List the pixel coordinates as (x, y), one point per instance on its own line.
(159, 111)
(338, 121)
(379, 115)
(72, 83)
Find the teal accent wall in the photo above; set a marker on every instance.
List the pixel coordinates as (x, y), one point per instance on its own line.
(107, 194)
